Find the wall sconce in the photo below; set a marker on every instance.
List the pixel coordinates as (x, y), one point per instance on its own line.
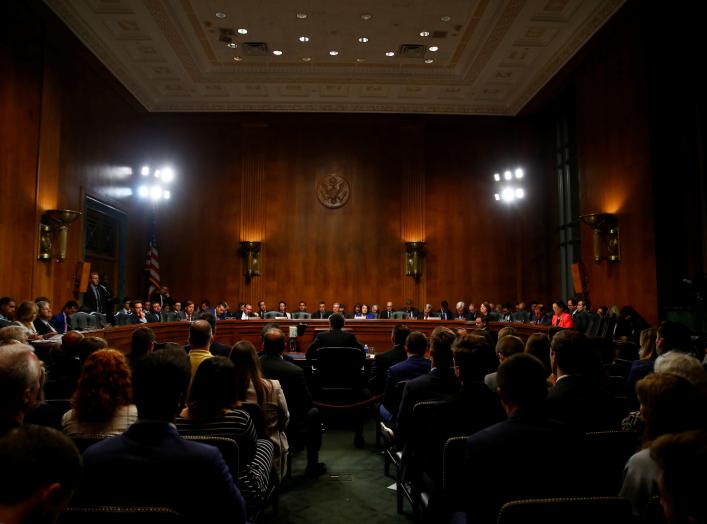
(414, 251)
(251, 259)
(53, 233)
(606, 236)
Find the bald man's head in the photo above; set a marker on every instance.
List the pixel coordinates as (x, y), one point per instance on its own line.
(200, 334)
(274, 341)
(71, 341)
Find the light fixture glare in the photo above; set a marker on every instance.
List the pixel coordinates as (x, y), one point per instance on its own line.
(519, 173)
(145, 170)
(507, 175)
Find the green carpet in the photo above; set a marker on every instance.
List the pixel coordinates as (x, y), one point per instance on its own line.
(353, 490)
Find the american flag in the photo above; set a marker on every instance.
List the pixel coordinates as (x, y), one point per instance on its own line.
(152, 265)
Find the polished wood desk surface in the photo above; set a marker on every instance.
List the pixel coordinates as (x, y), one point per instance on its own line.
(375, 333)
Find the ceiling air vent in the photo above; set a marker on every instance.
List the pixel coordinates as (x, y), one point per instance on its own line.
(412, 51)
(255, 48)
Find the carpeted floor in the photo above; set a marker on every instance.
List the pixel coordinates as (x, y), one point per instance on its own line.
(353, 490)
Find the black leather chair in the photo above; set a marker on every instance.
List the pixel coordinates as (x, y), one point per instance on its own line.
(338, 370)
(577, 510)
(119, 515)
(87, 440)
(49, 413)
(301, 314)
(227, 446)
(607, 453)
(453, 474)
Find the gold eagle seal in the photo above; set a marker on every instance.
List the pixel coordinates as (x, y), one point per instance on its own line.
(333, 190)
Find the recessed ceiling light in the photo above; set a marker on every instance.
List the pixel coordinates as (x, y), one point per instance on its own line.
(306, 59)
(424, 33)
(390, 53)
(433, 48)
(366, 16)
(277, 52)
(237, 58)
(446, 18)
(429, 61)
(221, 15)
(301, 16)
(232, 45)
(303, 39)
(333, 53)
(242, 31)
(362, 39)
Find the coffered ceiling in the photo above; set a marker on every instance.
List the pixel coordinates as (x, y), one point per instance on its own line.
(491, 57)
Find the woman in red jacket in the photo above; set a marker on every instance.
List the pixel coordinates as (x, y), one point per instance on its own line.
(561, 318)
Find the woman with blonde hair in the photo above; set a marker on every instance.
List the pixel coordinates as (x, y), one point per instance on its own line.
(103, 401)
(253, 387)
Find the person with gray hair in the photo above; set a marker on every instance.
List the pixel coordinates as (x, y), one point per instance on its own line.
(13, 335)
(44, 315)
(682, 364)
(21, 377)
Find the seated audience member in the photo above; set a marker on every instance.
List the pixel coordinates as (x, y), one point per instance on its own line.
(90, 345)
(629, 324)
(335, 337)
(13, 335)
(412, 367)
(460, 311)
(21, 377)
(25, 316)
(305, 419)
(155, 313)
(671, 336)
(102, 403)
(669, 404)
(210, 411)
(647, 349)
(7, 309)
(561, 318)
(142, 343)
(251, 386)
(507, 346)
(41, 323)
(384, 361)
(64, 367)
(41, 468)
(682, 462)
(511, 458)
(138, 315)
(216, 348)
(538, 345)
(60, 321)
(200, 339)
(438, 384)
(580, 396)
(150, 465)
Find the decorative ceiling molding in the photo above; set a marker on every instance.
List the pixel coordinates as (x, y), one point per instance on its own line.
(494, 55)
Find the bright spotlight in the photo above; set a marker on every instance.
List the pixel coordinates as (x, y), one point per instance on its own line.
(519, 173)
(507, 194)
(520, 193)
(497, 196)
(497, 177)
(156, 193)
(507, 175)
(166, 195)
(158, 173)
(142, 191)
(167, 174)
(145, 170)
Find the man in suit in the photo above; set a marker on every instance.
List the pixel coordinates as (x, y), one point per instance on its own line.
(384, 361)
(510, 458)
(335, 337)
(21, 375)
(413, 366)
(162, 297)
(262, 309)
(506, 347)
(44, 315)
(321, 312)
(97, 298)
(387, 313)
(150, 465)
(138, 316)
(187, 312)
(305, 419)
(61, 321)
(579, 397)
(7, 308)
(410, 311)
(155, 313)
(220, 311)
(444, 312)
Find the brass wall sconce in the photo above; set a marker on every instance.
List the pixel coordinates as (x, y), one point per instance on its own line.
(606, 236)
(54, 232)
(251, 259)
(414, 251)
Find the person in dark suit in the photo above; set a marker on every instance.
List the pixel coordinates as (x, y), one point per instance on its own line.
(335, 337)
(321, 312)
(216, 348)
(384, 361)
(97, 298)
(413, 366)
(44, 316)
(162, 297)
(150, 465)
(61, 320)
(444, 313)
(7, 309)
(581, 394)
(155, 313)
(387, 313)
(305, 419)
(510, 459)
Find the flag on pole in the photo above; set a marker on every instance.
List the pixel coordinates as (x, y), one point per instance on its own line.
(152, 261)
